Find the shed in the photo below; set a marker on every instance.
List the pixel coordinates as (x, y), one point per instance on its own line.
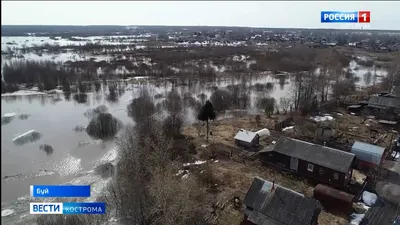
(371, 154)
(324, 133)
(270, 204)
(247, 138)
(333, 199)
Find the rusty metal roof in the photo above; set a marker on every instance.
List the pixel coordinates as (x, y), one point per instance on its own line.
(266, 205)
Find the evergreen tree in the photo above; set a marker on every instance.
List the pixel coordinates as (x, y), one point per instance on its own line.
(207, 113)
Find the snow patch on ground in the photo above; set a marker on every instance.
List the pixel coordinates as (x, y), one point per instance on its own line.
(288, 128)
(198, 162)
(322, 118)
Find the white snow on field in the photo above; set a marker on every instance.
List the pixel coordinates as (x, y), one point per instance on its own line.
(23, 93)
(198, 162)
(322, 118)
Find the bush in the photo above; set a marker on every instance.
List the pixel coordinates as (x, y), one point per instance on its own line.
(103, 126)
(105, 170)
(141, 108)
(47, 148)
(207, 177)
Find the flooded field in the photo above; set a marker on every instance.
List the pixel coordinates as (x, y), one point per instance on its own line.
(57, 117)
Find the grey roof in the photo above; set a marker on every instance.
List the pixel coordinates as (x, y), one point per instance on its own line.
(280, 206)
(317, 154)
(367, 152)
(245, 135)
(382, 101)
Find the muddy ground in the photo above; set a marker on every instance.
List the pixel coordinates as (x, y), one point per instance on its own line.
(234, 175)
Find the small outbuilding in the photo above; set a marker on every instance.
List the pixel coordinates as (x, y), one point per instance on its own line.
(367, 155)
(333, 199)
(269, 204)
(324, 134)
(247, 139)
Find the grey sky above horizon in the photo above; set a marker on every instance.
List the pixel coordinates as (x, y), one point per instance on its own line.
(279, 14)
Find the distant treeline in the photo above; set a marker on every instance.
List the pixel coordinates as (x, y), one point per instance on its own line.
(105, 30)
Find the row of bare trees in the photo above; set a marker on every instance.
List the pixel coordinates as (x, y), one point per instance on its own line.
(146, 190)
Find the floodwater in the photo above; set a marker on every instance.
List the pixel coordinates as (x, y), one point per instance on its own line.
(75, 153)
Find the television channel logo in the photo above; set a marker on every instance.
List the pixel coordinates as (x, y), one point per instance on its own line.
(345, 17)
(67, 208)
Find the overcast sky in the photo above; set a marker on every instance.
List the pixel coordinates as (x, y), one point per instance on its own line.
(384, 15)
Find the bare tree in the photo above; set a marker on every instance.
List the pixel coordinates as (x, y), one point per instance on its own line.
(258, 120)
(145, 190)
(285, 104)
(174, 199)
(173, 123)
(304, 92)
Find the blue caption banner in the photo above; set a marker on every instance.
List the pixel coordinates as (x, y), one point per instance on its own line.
(339, 17)
(60, 191)
(84, 208)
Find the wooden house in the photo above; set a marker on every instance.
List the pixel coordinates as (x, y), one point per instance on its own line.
(327, 165)
(269, 204)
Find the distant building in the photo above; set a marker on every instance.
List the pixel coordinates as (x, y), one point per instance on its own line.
(247, 139)
(368, 155)
(327, 165)
(384, 106)
(269, 204)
